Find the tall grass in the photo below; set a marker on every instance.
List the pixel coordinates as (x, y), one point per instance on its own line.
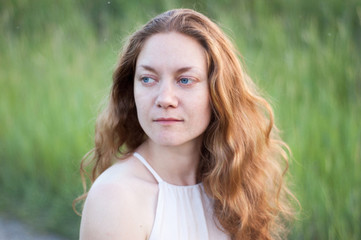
(55, 71)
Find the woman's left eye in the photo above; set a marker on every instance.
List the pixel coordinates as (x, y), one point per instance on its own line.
(185, 81)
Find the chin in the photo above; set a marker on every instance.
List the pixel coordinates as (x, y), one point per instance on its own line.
(169, 143)
(175, 141)
(166, 140)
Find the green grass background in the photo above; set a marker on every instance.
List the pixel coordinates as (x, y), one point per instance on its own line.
(56, 62)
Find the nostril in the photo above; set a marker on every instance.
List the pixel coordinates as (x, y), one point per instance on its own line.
(167, 95)
(165, 101)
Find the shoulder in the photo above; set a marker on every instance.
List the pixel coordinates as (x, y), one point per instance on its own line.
(121, 203)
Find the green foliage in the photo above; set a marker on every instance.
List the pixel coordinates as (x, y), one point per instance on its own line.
(56, 63)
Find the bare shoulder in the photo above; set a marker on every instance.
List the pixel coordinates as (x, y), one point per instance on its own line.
(121, 203)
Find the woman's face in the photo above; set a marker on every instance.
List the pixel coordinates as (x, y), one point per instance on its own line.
(171, 89)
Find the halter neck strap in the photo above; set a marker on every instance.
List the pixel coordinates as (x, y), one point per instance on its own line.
(146, 164)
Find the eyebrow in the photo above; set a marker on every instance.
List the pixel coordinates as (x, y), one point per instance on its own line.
(146, 67)
(180, 70)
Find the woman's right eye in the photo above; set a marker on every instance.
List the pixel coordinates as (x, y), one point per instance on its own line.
(147, 80)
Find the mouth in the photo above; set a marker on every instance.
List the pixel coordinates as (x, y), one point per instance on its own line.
(167, 120)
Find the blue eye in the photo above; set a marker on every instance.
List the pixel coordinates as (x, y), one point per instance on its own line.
(184, 80)
(147, 79)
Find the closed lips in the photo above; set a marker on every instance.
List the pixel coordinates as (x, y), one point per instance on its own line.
(167, 120)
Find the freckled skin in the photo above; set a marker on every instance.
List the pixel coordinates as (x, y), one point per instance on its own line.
(171, 89)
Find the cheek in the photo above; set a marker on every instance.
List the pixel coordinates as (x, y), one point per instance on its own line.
(203, 110)
(208, 112)
(138, 96)
(142, 107)
(138, 104)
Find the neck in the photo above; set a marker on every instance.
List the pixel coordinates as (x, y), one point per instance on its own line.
(175, 165)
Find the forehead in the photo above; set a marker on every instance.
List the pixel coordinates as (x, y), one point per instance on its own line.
(172, 50)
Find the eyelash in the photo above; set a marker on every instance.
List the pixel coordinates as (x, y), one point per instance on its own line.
(151, 81)
(189, 80)
(142, 79)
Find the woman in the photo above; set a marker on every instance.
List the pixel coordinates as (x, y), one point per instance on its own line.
(186, 148)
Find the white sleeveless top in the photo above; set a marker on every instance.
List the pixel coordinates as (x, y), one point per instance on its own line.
(183, 212)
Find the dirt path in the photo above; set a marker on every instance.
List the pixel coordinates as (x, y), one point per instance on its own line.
(14, 230)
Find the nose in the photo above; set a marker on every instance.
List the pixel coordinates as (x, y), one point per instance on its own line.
(167, 97)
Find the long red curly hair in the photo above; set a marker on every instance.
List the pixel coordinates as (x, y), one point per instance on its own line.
(243, 159)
